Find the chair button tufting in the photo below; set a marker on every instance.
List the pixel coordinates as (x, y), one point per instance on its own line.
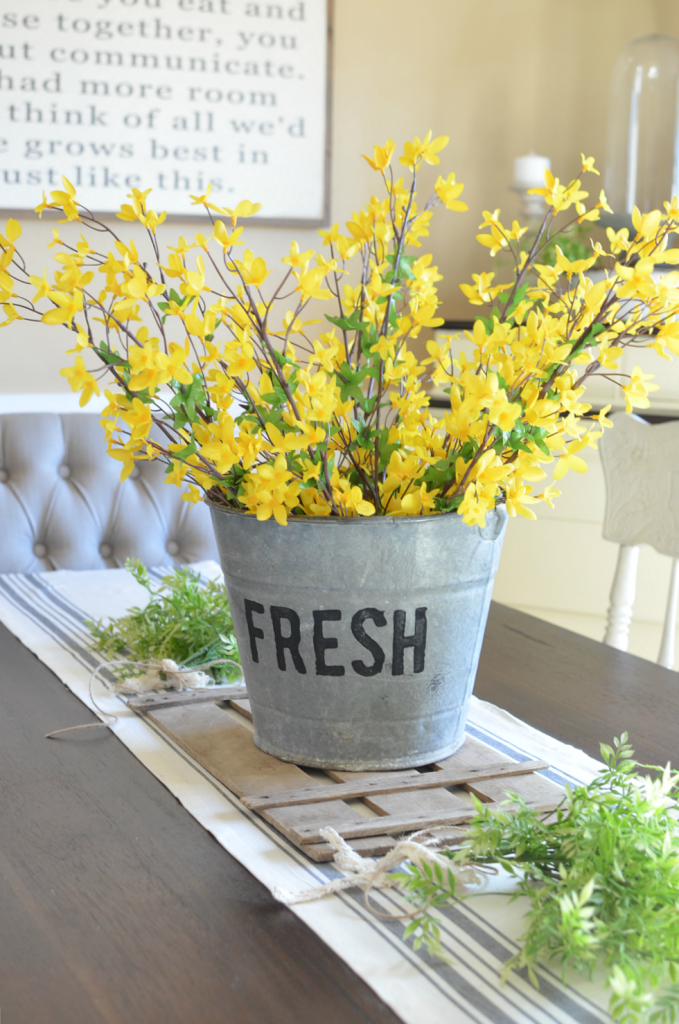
(4, 476)
(105, 550)
(135, 474)
(39, 550)
(64, 472)
(172, 547)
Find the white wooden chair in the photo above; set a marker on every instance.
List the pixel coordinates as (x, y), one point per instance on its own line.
(641, 469)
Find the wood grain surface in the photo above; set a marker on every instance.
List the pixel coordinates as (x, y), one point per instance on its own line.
(576, 689)
(117, 907)
(385, 783)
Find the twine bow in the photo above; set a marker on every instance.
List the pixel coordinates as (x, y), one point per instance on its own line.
(368, 873)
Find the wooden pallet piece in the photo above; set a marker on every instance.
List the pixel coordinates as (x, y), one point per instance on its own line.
(226, 750)
(407, 812)
(243, 707)
(411, 810)
(436, 801)
(180, 698)
(376, 784)
(402, 803)
(309, 834)
(419, 802)
(298, 805)
(535, 789)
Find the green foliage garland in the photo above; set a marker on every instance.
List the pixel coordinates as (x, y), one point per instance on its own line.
(602, 877)
(185, 620)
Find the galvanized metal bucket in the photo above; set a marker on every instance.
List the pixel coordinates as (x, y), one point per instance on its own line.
(359, 638)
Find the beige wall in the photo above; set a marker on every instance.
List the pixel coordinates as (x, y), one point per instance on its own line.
(501, 77)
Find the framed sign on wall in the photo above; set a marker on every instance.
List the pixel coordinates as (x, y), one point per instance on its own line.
(168, 95)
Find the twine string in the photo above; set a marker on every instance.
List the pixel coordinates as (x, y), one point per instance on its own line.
(368, 873)
(183, 679)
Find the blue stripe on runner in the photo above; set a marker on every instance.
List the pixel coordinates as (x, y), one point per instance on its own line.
(505, 747)
(67, 607)
(53, 626)
(450, 977)
(417, 959)
(466, 909)
(65, 641)
(560, 996)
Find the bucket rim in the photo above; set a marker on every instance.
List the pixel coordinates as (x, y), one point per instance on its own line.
(367, 521)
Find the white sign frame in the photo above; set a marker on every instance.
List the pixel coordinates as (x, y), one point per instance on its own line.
(116, 94)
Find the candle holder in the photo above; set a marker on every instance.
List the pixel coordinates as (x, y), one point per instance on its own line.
(529, 172)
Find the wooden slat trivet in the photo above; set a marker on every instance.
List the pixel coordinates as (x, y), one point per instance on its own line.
(225, 749)
(401, 802)
(379, 785)
(416, 802)
(535, 789)
(396, 825)
(179, 698)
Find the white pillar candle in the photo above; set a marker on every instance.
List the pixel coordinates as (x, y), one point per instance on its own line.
(529, 171)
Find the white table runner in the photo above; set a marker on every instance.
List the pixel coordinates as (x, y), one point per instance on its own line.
(46, 611)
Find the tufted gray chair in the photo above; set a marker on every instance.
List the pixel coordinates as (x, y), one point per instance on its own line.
(62, 505)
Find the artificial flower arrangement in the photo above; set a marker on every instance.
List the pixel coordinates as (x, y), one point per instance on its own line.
(275, 415)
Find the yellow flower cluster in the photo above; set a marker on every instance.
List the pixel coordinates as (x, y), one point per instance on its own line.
(214, 369)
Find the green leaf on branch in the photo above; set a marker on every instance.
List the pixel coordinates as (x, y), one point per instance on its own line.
(348, 323)
(489, 321)
(517, 439)
(274, 416)
(351, 391)
(284, 360)
(538, 437)
(468, 449)
(441, 473)
(185, 401)
(579, 346)
(350, 381)
(108, 356)
(179, 300)
(368, 404)
(517, 300)
(368, 339)
(404, 269)
(277, 396)
(184, 453)
(386, 448)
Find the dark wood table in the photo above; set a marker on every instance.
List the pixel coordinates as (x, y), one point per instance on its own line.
(117, 907)
(578, 690)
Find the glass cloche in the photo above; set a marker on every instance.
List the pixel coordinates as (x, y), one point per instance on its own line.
(642, 158)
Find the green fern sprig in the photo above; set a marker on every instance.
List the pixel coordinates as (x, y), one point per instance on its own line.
(185, 620)
(602, 878)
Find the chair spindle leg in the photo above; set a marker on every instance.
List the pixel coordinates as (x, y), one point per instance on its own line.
(623, 593)
(666, 655)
